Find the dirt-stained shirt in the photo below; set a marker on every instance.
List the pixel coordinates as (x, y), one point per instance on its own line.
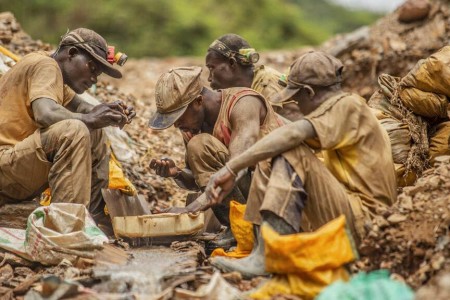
(35, 76)
(355, 148)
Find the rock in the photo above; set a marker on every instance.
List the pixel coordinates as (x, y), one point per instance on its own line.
(6, 293)
(441, 159)
(396, 218)
(405, 202)
(438, 289)
(413, 190)
(380, 222)
(413, 10)
(23, 271)
(6, 273)
(437, 263)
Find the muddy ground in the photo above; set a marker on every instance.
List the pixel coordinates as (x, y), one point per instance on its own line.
(411, 239)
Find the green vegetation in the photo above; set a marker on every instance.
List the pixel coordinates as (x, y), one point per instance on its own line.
(182, 27)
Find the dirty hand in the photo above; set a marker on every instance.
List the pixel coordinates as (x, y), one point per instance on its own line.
(126, 110)
(103, 115)
(164, 167)
(223, 179)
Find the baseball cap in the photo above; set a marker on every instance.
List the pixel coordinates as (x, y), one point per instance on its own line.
(175, 90)
(314, 68)
(94, 44)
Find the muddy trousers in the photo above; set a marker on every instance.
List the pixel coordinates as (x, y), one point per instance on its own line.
(298, 185)
(205, 155)
(66, 157)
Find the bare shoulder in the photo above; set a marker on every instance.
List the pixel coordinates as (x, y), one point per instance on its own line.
(247, 107)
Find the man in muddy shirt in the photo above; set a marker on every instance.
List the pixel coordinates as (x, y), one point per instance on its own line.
(356, 177)
(221, 124)
(231, 63)
(51, 137)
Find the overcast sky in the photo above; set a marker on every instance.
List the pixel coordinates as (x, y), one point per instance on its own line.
(375, 5)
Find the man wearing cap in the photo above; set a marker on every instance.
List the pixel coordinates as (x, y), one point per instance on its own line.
(222, 124)
(356, 177)
(231, 63)
(51, 137)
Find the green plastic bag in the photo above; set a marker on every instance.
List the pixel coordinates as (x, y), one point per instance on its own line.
(368, 286)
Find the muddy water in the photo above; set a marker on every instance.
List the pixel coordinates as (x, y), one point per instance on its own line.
(142, 274)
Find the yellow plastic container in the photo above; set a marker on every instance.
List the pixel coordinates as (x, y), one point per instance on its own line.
(158, 225)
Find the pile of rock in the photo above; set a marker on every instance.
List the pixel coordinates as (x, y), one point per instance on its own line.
(412, 239)
(391, 46)
(15, 39)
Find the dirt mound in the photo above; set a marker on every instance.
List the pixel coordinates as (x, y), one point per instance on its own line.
(389, 46)
(411, 238)
(15, 39)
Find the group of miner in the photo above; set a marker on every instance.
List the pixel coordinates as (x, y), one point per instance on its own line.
(297, 149)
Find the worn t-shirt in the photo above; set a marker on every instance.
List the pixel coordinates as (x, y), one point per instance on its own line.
(356, 149)
(35, 76)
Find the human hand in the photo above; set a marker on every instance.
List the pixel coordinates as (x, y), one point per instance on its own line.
(126, 110)
(219, 185)
(164, 167)
(103, 115)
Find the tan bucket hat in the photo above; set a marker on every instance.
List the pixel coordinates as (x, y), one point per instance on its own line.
(314, 68)
(94, 44)
(175, 90)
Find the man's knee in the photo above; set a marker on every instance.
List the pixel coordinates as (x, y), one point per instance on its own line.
(205, 145)
(65, 134)
(199, 144)
(75, 129)
(204, 150)
(205, 156)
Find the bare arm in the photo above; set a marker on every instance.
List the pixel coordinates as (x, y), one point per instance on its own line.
(245, 120)
(278, 141)
(275, 143)
(47, 112)
(78, 105)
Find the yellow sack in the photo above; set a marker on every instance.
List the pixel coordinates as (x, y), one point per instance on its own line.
(306, 262)
(431, 74)
(46, 197)
(117, 180)
(242, 230)
(427, 104)
(403, 180)
(305, 287)
(439, 141)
